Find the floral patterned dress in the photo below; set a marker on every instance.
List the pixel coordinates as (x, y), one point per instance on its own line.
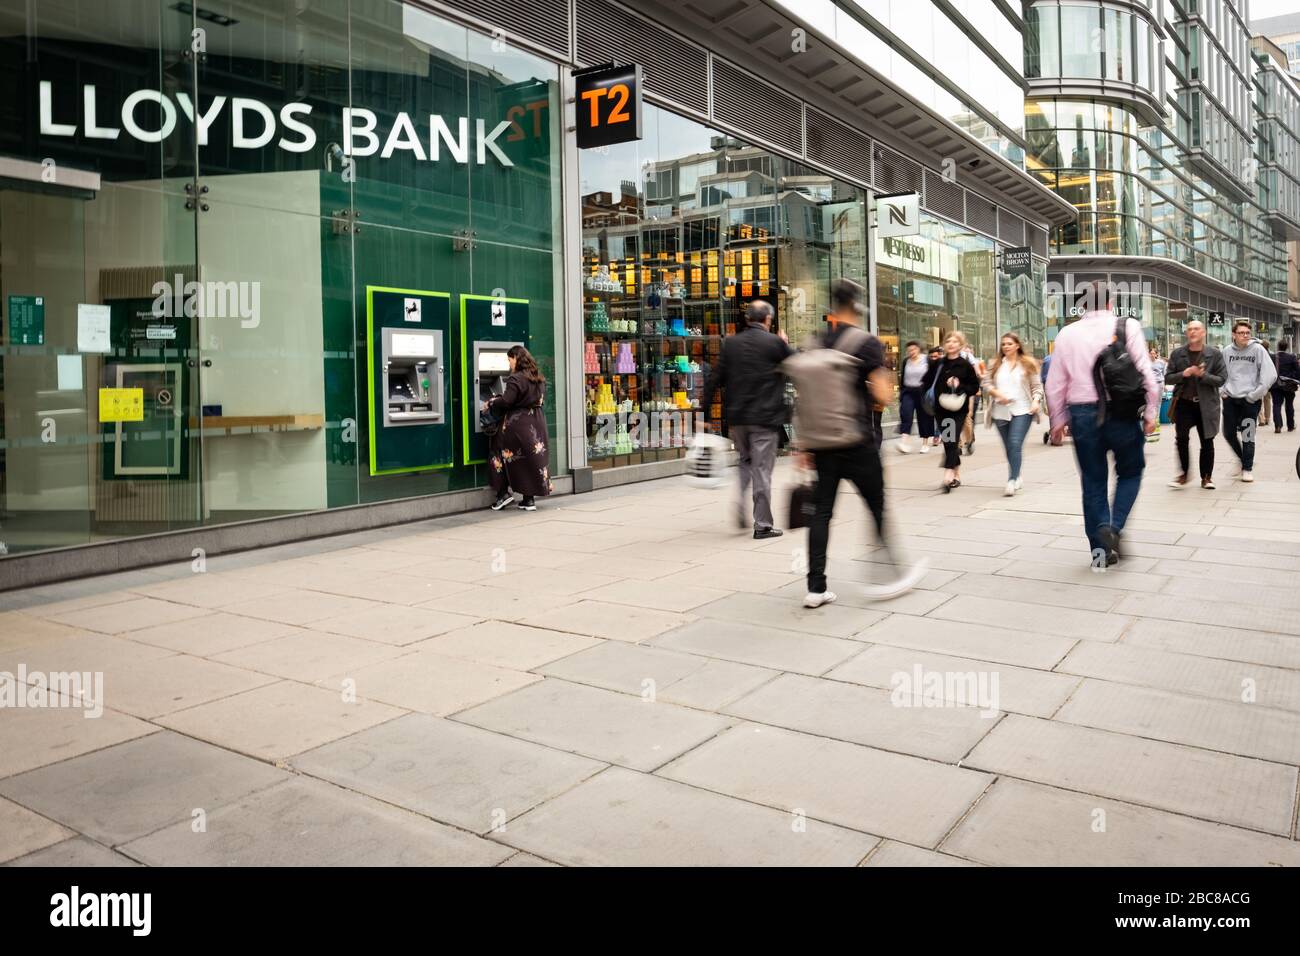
(519, 456)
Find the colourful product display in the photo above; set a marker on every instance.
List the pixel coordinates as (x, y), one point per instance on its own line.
(625, 365)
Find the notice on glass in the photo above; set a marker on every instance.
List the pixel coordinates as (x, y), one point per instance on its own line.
(93, 328)
(121, 404)
(69, 373)
(26, 320)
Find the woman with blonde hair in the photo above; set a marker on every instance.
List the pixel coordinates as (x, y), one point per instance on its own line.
(967, 444)
(950, 384)
(1015, 391)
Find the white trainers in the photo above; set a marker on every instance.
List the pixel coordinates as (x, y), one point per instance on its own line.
(1020, 483)
(1247, 477)
(1010, 491)
(902, 445)
(817, 600)
(925, 448)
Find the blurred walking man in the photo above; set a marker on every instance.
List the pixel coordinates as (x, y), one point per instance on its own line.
(1104, 424)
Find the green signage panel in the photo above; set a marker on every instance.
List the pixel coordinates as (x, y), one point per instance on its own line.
(27, 320)
(484, 319)
(408, 332)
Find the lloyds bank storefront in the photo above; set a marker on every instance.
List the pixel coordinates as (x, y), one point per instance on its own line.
(258, 260)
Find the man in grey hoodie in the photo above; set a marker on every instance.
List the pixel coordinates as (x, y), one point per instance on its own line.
(1250, 375)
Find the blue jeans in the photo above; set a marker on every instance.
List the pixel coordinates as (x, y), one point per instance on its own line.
(1092, 443)
(1013, 432)
(909, 402)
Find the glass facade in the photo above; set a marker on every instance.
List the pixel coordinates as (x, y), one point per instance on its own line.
(680, 231)
(201, 329)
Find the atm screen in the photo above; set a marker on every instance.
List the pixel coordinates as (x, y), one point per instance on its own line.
(498, 362)
(413, 346)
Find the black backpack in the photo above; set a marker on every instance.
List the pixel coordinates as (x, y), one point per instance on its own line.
(1121, 386)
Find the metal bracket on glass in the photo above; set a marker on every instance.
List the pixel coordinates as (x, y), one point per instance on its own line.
(464, 240)
(345, 221)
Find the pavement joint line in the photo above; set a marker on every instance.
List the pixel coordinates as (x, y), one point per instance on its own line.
(993, 780)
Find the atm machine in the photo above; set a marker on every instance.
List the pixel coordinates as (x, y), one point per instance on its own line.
(408, 385)
(491, 368)
(413, 376)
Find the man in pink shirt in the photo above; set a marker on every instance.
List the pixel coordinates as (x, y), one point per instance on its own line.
(1072, 400)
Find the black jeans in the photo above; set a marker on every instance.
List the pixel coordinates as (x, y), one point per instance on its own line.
(1240, 419)
(1283, 399)
(1187, 415)
(949, 425)
(859, 464)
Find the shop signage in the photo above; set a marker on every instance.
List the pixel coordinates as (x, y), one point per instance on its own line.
(608, 105)
(150, 116)
(898, 215)
(1216, 319)
(904, 250)
(1016, 261)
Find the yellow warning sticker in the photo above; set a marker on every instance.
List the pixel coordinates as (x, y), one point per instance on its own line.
(121, 404)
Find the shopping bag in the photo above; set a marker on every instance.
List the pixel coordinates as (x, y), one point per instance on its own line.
(803, 504)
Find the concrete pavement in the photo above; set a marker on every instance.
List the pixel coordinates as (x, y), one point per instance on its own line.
(623, 678)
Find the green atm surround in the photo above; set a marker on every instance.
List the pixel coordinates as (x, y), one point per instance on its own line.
(476, 326)
(419, 447)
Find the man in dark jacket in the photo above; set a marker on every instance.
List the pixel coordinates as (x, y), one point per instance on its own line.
(1197, 372)
(1284, 387)
(748, 371)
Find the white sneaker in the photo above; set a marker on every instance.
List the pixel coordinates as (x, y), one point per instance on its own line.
(817, 600)
(902, 446)
(925, 448)
(1010, 491)
(1247, 477)
(1020, 483)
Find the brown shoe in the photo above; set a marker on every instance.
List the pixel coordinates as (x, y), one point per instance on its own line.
(1207, 483)
(1178, 481)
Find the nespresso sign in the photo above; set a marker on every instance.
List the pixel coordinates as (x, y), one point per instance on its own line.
(608, 104)
(899, 249)
(255, 125)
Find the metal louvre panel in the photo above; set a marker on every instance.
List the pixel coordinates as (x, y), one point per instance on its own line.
(1038, 241)
(542, 21)
(896, 174)
(1011, 228)
(944, 198)
(981, 214)
(747, 104)
(1162, 288)
(835, 145)
(670, 67)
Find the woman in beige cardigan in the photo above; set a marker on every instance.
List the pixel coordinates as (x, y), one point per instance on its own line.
(1015, 390)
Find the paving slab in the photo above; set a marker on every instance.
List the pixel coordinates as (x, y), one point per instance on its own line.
(1020, 690)
(21, 629)
(1026, 824)
(302, 606)
(866, 715)
(481, 602)
(1252, 617)
(309, 823)
(618, 622)
(1013, 615)
(502, 644)
(758, 646)
(624, 818)
(615, 728)
(308, 655)
(1186, 674)
(1211, 786)
(208, 590)
(977, 641)
(452, 772)
(278, 720)
(122, 616)
(891, 853)
(770, 611)
(77, 852)
(123, 792)
(1248, 730)
(397, 625)
(654, 595)
(32, 737)
(430, 683)
(152, 688)
(211, 634)
(1205, 640)
(854, 786)
(677, 678)
(23, 832)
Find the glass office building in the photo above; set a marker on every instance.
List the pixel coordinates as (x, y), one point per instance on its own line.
(1149, 118)
(259, 259)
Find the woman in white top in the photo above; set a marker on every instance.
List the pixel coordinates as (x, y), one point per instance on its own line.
(910, 398)
(1013, 384)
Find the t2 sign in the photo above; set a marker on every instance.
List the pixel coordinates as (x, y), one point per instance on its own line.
(608, 102)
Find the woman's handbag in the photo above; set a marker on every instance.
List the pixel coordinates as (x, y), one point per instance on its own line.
(489, 422)
(952, 401)
(803, 504)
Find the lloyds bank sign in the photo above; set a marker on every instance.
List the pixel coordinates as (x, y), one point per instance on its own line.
(151, 116)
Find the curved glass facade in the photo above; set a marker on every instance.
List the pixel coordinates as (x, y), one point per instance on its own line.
(1088, 41)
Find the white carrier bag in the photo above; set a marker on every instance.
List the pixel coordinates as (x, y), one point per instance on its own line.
(708, 460)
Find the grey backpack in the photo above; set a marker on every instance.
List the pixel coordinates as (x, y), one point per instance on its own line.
(828, 412)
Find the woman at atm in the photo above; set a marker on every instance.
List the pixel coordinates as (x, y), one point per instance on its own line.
(518, 456)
